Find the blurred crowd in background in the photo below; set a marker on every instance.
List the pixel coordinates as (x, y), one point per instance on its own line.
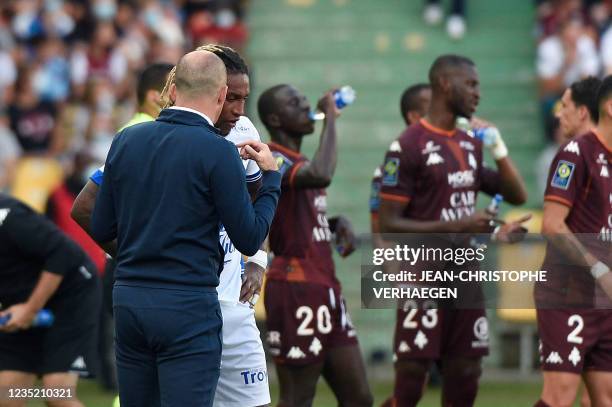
(68, 69)
(574, 40)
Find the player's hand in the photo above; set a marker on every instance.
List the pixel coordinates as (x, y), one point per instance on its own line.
(327, 104)
(513, 232)
(345, 236)
(252, 280)
(480, 123)
(479, 222)
(22, 316)
(258, 152)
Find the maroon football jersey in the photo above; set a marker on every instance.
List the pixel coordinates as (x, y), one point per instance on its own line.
(580, 179)
(436, 173)
(300, 235)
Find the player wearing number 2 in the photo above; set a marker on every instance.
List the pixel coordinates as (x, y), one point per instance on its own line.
(574, 315)
(309, 330)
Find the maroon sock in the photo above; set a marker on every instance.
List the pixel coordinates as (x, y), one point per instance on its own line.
(460, 392)
(408, 390)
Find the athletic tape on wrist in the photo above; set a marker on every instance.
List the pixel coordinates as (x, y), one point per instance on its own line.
(599, 269)
(499, 149)
(260, 258)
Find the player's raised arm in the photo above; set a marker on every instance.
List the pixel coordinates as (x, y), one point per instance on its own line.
(319, 171)
(506, 180)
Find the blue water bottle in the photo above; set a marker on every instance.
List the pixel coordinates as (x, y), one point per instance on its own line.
(493, 208)
(343, 97)
(488, 135)
(43, 319)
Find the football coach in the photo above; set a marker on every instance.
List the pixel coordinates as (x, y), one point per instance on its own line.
(168, 186)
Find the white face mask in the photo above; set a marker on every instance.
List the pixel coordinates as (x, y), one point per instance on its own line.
(105, 9)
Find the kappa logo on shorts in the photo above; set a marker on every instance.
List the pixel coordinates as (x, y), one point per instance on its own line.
(554, 358)
(253, 376)
(391, 171)
(3, 214)
(403, 347)
(296, 353)
(79, 363)
(563, 174)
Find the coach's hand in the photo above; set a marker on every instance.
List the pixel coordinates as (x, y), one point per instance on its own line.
(258, 152)
(252, 280)
(22, 316)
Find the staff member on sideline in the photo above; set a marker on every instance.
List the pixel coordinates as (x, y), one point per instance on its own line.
(167, 187)
(42, 268)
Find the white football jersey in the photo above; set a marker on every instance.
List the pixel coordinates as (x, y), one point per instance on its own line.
(230, 279)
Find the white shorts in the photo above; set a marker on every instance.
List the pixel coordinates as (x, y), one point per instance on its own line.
(243, 381)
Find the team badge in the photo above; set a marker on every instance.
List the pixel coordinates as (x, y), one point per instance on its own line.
(283, 163)
(563, 174)
(391, 171)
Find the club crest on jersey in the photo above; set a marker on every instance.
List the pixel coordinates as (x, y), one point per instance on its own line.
(563, 174)
(282, 162)
(391, 171)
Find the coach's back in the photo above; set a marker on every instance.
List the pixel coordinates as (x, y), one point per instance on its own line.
(174, 231)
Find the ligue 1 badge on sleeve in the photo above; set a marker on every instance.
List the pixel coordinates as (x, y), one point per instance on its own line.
(563, 174)
(391, 171)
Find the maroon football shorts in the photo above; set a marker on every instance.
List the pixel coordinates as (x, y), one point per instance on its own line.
(575, 340)
(304, 320)
(425, 332)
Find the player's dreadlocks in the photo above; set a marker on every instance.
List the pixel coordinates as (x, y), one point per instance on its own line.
(234, 64)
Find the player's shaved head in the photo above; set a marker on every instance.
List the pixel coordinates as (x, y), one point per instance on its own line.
(200, 74)
(267, 103)
(445, 66)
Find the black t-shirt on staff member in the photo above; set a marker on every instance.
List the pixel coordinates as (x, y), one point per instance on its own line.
(30, 244)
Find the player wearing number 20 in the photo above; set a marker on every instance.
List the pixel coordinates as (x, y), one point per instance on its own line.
(309, 330)
(573, 306)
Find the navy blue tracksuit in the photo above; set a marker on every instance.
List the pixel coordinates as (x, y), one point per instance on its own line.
(167, 187)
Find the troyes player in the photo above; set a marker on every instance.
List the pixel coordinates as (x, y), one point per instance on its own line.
(573, 306)
(40, 267)
(309, 329)
(431, 178)
(243, 379)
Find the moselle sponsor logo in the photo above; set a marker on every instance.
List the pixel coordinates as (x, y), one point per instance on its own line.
(254, 376)
(461, 179)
